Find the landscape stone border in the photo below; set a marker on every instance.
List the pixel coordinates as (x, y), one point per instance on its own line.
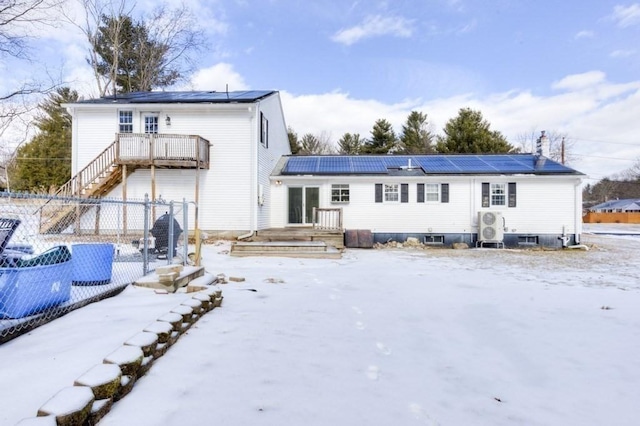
(94, 392)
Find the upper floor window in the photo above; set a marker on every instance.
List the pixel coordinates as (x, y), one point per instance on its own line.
(264, 130)
(125, 119)
(340, 193)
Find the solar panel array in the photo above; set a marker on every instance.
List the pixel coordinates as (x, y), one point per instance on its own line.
(184, 97)
(430, 164)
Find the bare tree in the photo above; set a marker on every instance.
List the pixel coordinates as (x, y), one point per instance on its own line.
(159, 49)
(19, 21)
(561, 146)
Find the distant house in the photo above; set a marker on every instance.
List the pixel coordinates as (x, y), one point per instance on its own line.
(615, 211)
(229, 154)
(515, 200)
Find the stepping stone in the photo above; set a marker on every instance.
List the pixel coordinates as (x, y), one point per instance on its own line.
(128, 358)
(145, 340)
(70, 406)
(162, 329)
(103, 379)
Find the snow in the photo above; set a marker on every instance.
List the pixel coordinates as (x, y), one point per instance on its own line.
(379, 337)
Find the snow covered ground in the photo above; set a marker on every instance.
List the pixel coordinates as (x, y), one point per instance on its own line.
(379, 337)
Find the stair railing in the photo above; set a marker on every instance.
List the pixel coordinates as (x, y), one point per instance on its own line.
(90, 174)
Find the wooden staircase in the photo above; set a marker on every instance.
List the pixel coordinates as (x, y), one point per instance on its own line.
(94, 181)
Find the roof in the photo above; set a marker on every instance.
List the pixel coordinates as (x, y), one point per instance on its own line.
(244, 96)
(623, 205)
(416, 165)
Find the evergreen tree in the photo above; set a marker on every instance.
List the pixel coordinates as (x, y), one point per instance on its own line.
(470, 133)
(130, 57)
(350, 144)
(383, 139)
(416, 137)
(44, 162)
(294, 143)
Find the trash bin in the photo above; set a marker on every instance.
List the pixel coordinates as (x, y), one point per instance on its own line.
(92, 263)
(34, 284)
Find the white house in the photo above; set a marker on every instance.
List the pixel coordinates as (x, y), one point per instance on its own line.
(513, 200)
(216, 149)
(229, 154)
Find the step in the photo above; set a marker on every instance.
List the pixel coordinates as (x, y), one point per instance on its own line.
(280, 246)
(295, 249)
(152, 280)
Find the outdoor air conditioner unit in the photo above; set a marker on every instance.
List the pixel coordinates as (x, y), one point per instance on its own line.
(490, 227)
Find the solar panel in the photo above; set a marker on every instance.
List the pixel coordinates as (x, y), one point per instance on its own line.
(438, 164)
(301, 165)
(472, 164)
(367, 165)
(334, 165)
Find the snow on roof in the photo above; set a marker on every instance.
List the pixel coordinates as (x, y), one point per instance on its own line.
(628, 204)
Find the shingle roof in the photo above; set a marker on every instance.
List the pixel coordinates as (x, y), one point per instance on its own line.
(423, 164)
(245, 96)
(623, 205)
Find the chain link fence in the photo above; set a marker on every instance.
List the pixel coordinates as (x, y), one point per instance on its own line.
(59, 254)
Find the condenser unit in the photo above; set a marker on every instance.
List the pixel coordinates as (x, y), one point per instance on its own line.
(490, 227)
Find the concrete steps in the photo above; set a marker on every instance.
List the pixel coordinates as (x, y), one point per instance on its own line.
(187, 275)
(295, 249)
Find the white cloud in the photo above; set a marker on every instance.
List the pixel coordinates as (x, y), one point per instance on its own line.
(584, 34)
(626, 16)
(580, 81)
(218, 77)
(622, 53)
(374, 26)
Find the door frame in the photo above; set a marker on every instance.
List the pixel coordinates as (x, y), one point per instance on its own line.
(305, 221)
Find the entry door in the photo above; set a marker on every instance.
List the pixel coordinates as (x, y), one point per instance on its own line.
(150, 123)
(302, 200)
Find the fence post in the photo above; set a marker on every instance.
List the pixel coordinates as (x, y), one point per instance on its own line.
(170, 252)
(145, 237)
(185, 231)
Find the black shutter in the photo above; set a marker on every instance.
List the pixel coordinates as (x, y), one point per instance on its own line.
(444, 193)
(378, 192)
(404, 192)
(420, 194)
(485, 194)
(512, 194)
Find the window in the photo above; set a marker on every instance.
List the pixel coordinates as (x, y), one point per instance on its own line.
(528, 240)
(496, 194)
(432, 191)
(391, 193)
(264, 130)
(151, 123)
(125, 119)
(434, 239)
(339, 193)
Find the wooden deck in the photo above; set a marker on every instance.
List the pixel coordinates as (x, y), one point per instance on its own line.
(299, 242)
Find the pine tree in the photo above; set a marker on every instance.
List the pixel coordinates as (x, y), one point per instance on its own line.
(383, 139)
(45, 161)
(350, 144)
(416, 137)
(294, 143)
(470, 133)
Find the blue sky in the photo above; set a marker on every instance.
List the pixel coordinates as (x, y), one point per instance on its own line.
(568, 67)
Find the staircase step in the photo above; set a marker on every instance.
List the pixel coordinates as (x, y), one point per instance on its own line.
(307, 250)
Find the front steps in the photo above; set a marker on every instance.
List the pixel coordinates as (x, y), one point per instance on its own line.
(334, 238)
(295, 249)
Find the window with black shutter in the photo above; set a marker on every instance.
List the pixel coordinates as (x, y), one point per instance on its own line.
(404, 193)
(512, 194)
(444, 193)
(485, 194)
(378, 192)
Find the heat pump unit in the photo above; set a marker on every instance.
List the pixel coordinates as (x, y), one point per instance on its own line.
(490, 227)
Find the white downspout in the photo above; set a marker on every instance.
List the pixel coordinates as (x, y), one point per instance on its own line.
(253, 177)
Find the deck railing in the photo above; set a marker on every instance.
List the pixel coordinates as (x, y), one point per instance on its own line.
(327, 218)
(149, 148)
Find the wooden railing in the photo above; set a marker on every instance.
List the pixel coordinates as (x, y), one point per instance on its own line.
(165, 149)
(328, 219)
(93, 172)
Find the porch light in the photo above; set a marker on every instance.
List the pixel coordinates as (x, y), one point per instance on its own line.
(167, 121)
(278, 182)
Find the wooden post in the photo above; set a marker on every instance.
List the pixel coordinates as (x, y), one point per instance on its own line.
(197, 201)
(124, 199)
(153, 192)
